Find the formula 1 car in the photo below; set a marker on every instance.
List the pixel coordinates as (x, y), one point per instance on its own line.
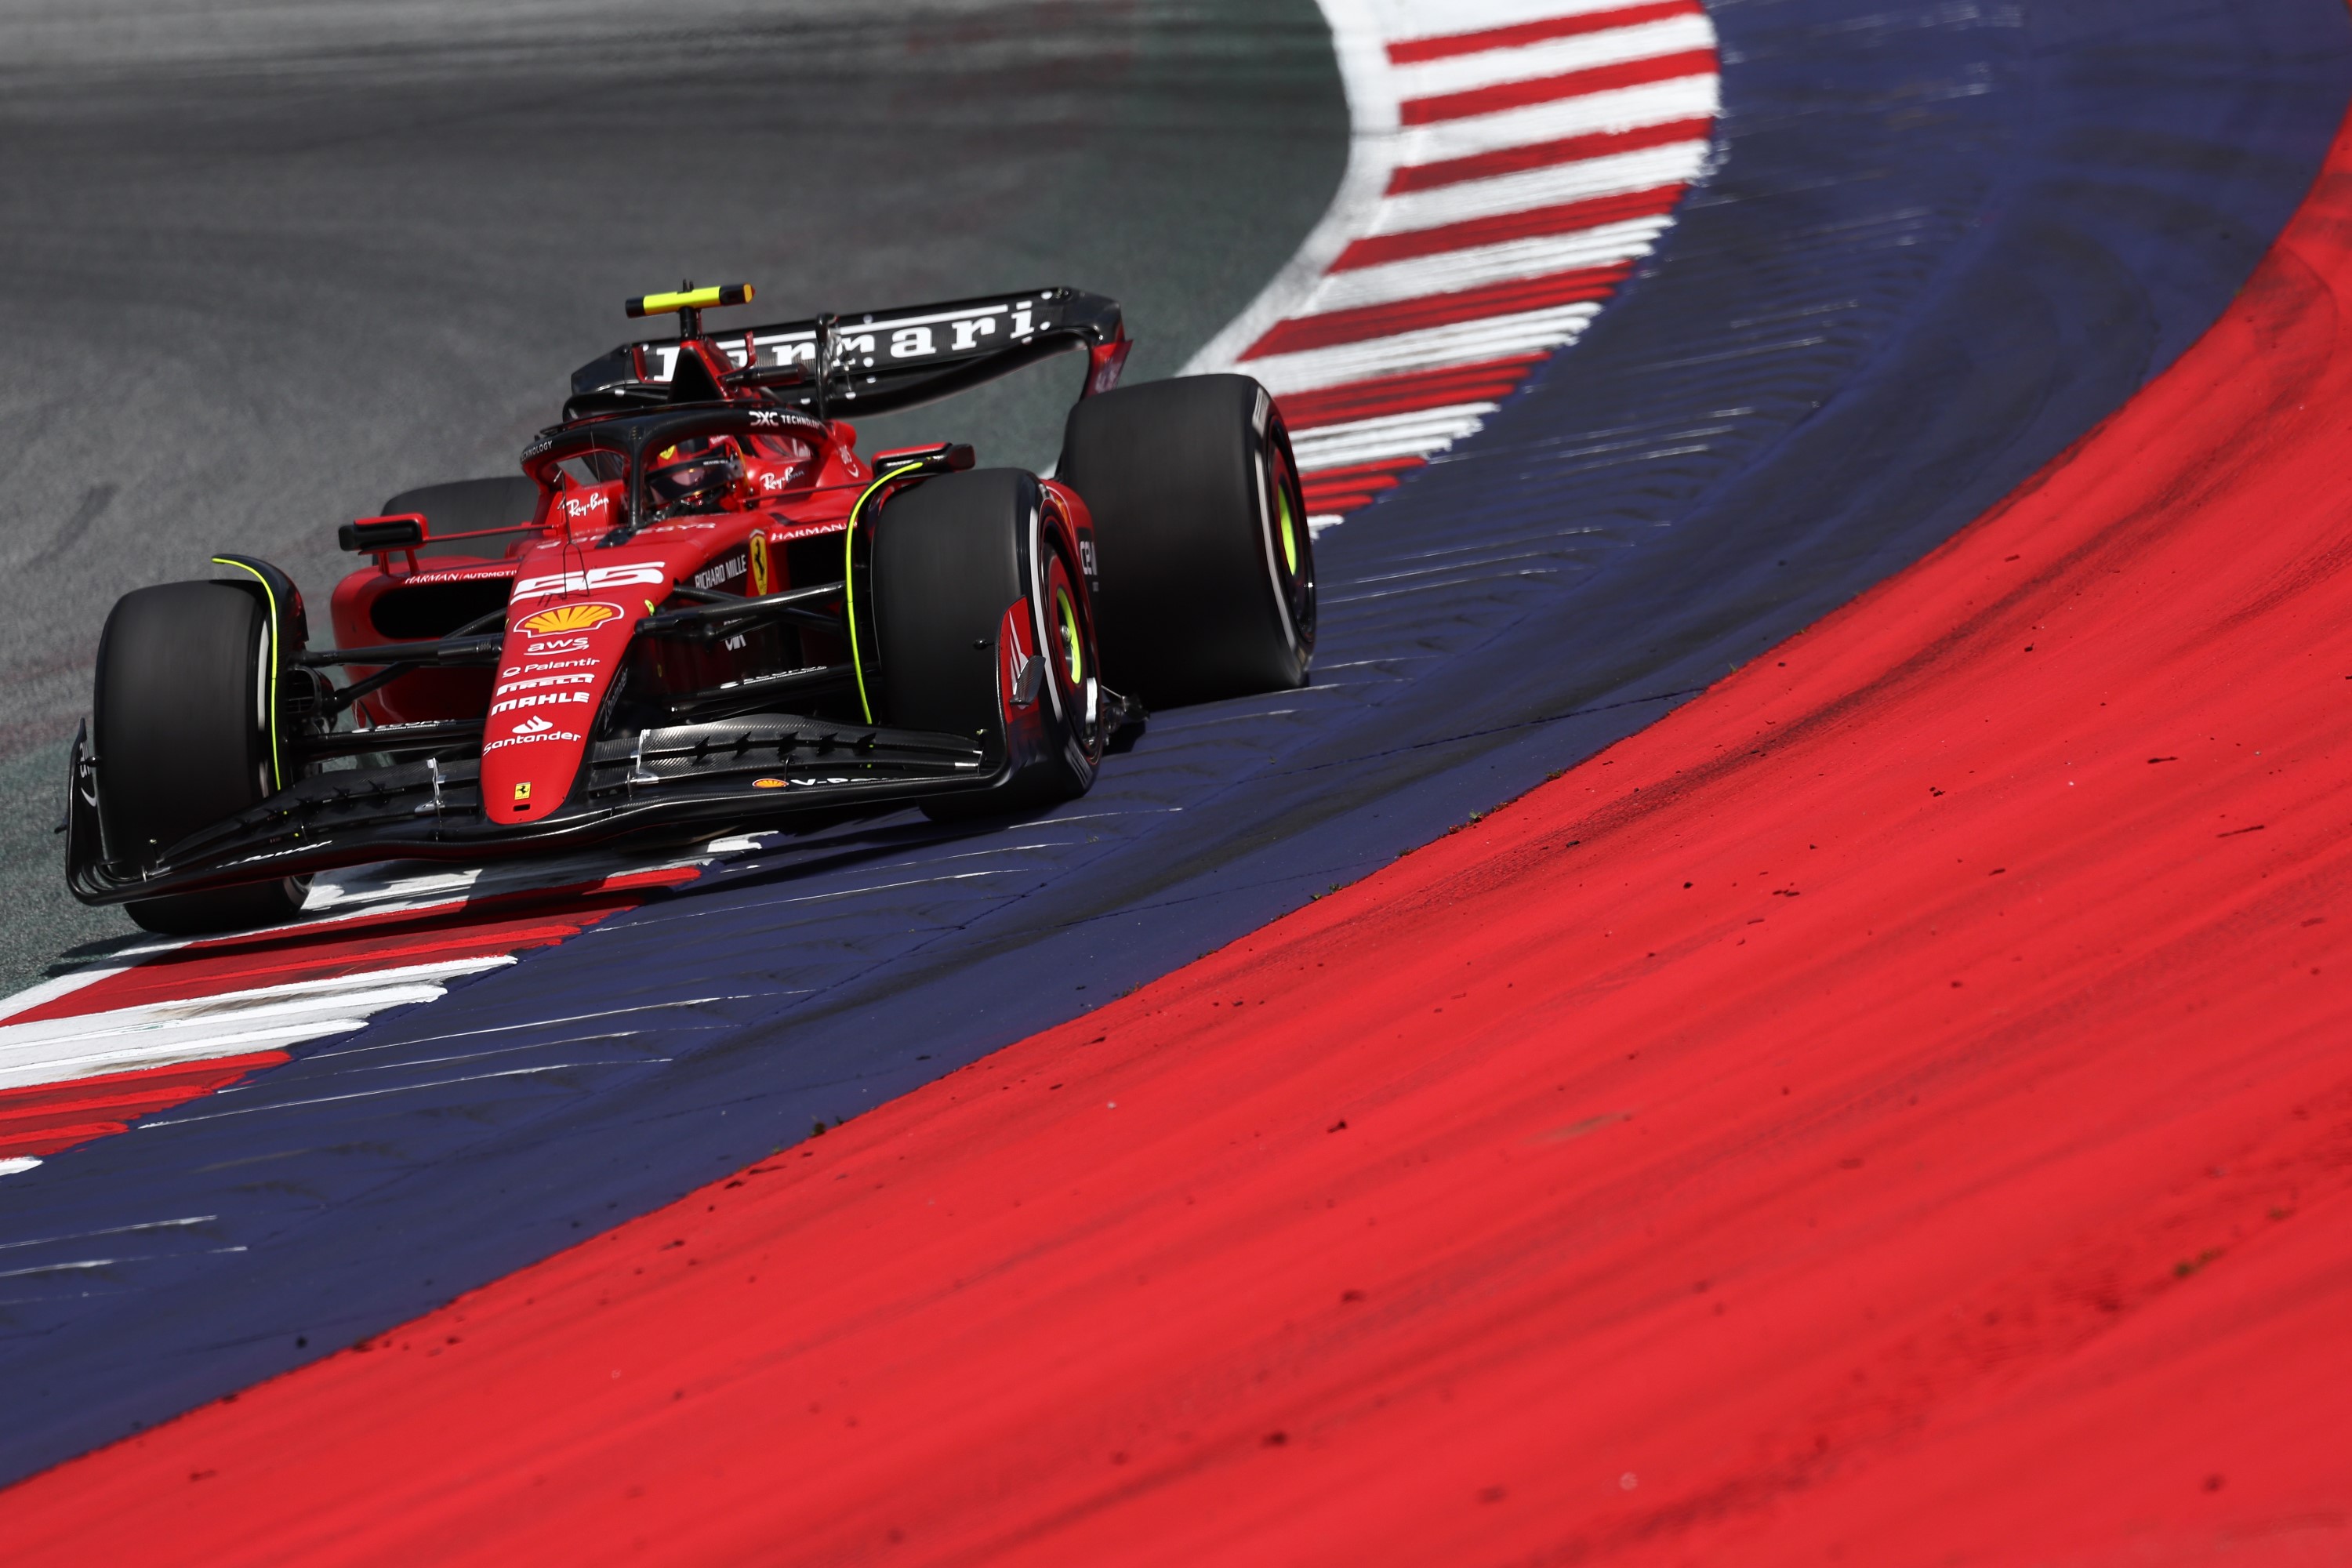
(700, 611)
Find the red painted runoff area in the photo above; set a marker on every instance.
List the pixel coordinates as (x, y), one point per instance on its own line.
(1896, 1107)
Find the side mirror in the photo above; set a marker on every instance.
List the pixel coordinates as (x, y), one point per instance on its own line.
(952, 456)
(404, 531)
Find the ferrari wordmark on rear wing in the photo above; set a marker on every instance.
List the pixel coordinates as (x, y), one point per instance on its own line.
(877, 361)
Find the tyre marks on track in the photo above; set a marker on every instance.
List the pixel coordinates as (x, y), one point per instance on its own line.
(1512, 163)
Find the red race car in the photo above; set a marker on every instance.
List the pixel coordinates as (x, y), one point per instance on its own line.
(699, 610)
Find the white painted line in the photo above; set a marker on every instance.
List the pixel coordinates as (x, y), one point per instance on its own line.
(383, 888)
(1452, 413)
(1620, 109)
(388, 883)
(172, 1033)
(78, 1263)
(1554, 56)
(64, 1067)
(181, 1223)
(556, 1022)
(675, 915)
(1617, 174)
(152, 1122)
(1430, 348)
(1448, 582)
(405, 1063)
(1396, 434)
(1406, 19)
(262, 999)
(49, 991)
(1451, 272)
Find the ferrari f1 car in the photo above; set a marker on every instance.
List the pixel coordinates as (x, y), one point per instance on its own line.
(700, 611)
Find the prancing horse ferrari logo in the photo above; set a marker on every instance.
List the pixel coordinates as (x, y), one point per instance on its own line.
(759, 548)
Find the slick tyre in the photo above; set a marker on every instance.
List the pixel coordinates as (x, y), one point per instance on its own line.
(960, 563)
(180, 719)
(1207, 570)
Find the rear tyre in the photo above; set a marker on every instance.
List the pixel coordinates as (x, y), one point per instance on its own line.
(1207, 570)
(180, 715)
(951, 555)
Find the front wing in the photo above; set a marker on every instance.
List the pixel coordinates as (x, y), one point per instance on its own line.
(711, 778)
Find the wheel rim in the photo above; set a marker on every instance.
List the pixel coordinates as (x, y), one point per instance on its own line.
(1289, 525)
(1293, 542)
(1071, 631)
(1073, 651)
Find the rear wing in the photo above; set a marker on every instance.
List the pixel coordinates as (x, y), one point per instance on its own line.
(877, 361)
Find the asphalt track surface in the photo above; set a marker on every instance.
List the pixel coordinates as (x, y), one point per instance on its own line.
(1879, 213)
(265, 267)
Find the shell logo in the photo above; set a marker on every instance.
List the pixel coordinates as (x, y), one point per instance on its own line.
(568, 618)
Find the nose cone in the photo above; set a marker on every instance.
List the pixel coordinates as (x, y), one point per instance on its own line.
(558, 662)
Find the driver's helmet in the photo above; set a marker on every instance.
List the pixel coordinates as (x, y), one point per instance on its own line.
(696, 475)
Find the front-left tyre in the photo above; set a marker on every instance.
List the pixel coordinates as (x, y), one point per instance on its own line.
(181, 722)
(983, 626)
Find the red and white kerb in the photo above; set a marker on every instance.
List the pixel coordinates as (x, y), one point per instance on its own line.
(1511, 161)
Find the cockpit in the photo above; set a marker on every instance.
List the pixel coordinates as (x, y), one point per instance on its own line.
(681, 471)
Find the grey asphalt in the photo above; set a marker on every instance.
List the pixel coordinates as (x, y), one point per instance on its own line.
(263, 267)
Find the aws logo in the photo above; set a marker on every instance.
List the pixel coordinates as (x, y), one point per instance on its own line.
(568, 618)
